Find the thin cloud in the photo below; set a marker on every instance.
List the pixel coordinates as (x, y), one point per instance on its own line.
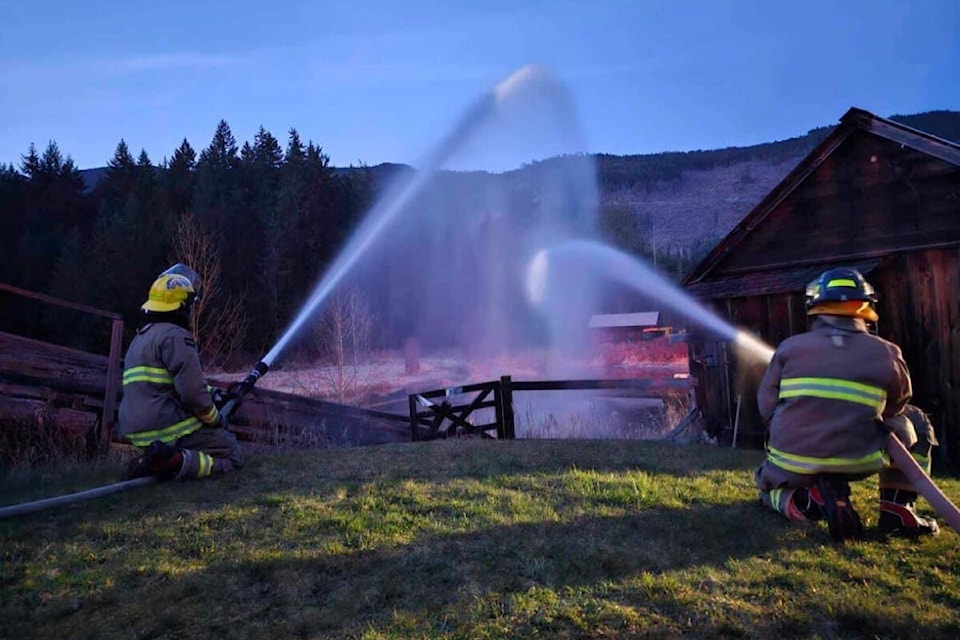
(171, 61)
(13, 73)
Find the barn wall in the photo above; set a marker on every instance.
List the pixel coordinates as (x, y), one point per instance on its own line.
(920, 311)
(869, 197)
(723, 376)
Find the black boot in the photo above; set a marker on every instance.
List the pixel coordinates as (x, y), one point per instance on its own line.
(898, 515)
(159, 459)
(842, 519)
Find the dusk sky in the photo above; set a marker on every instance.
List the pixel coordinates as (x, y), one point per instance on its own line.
(383, 81)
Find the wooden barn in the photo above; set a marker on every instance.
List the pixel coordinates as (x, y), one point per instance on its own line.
(626, 327)
(874, 195)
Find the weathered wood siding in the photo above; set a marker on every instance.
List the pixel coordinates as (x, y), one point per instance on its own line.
(772, 318)
(870, 197)
(920, 311)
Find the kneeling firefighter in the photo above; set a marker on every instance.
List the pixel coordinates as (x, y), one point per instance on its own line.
(167, 408)
(829, 397)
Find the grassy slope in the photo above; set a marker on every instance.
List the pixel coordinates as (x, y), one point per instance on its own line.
(468, 539)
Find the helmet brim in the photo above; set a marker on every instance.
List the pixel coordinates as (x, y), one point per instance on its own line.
(160, 307)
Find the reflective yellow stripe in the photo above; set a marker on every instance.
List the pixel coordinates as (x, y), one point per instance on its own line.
(834, 389)
(167, 434)
(775, 495)
(807, 464)
(156, 375)
(210, 417)
(206, 464)
(841, 282)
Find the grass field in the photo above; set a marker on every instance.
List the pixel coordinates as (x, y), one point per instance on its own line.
(463, 539)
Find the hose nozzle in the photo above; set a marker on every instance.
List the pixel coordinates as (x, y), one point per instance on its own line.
(247, 383)
(243, 387)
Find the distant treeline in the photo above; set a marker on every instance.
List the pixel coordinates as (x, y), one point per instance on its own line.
(266, 218)
(263, 219)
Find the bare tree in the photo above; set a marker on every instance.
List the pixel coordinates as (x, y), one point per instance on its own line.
(217, 319)
(344, 338)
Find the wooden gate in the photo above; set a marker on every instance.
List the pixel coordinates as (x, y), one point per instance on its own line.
(430, 419)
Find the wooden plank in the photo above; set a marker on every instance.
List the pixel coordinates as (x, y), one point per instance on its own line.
(113, 382)
(42, 414)
(51, 365)
(506, 395)
(50, 395)
(648, 385)
(57, 301)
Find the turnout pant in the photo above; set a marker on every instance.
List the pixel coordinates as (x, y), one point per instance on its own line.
(209, 451)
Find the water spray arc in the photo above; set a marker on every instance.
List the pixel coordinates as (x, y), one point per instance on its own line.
(386, 211)
(634, 273)
(543, 288)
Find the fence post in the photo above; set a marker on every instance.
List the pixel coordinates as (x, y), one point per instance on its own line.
(113, 382)
(506, 403)
(414, 419)
(498, 409)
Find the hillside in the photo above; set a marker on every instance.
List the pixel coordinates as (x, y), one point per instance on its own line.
(686, 200)
(462, 539)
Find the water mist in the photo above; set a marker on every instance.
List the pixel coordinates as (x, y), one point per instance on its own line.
(547, 288)
(442, 254)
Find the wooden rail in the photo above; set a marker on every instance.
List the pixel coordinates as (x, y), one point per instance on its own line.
(429, 419)
(113, 377)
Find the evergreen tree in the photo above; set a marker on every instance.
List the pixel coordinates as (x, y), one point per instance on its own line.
(260, 165)
(218, 195)
(119, 178)
(13, 217)
(178, 179)
(54, 206)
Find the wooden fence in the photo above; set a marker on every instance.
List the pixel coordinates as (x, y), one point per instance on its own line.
(81, 391)
(430, 420)
(36, 376)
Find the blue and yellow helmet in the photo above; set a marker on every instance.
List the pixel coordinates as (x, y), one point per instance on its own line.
(842, 292)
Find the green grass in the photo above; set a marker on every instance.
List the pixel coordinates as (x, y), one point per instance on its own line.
(464, 539)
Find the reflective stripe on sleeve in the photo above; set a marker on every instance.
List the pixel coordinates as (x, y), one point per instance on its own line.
(157, 375)
(834, 389)
(210, 417)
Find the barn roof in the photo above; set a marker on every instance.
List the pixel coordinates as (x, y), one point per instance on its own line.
(771, 282)
(608, 320)
(791, 278)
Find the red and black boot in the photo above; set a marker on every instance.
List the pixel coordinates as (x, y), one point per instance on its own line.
(898, 515)
(842, 519)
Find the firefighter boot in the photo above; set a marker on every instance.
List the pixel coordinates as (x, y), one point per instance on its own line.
(842, 519)
(801, 504)
(898, 515)
(159, 459)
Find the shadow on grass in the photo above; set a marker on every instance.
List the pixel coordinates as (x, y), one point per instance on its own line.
(672, 568)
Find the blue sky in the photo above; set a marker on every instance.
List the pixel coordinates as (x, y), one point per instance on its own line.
(383, 81)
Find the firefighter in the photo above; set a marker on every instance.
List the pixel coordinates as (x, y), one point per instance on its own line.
(828, 397)
(167, 408)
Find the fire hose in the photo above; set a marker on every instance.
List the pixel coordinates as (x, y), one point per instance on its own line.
(234, 397)
(922, 483)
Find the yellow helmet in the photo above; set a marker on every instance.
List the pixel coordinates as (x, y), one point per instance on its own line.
(175, 288)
